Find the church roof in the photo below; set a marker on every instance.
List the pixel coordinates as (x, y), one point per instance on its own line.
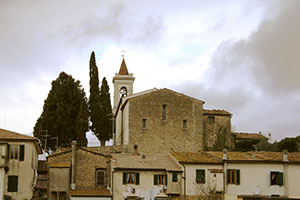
(123, 69)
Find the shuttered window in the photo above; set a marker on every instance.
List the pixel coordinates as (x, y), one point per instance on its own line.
(12, 184)
(200, 175)
(17, 152)
(100, 177)
(131, 178)
(276, 178)
(233, 176)
(160, 179)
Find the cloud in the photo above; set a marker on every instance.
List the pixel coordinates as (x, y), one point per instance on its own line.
(269, 57)
(257, 78)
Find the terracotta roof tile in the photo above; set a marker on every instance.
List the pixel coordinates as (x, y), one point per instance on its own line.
(217, 156)
(145, 161)
(195, 157)
(123, 69)
(103, 192)
(216, 112)
(10, 135)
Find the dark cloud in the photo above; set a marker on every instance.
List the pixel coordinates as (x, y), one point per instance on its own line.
(269, 55)
(257, 78)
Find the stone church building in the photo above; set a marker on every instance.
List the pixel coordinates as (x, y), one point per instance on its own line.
(163, 120)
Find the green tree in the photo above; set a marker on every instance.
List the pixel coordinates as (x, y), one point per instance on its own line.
(94, 100)
(290, 144)
(64, 114)
(106, 113)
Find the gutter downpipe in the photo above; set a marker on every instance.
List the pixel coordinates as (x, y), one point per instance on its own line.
(184, 181)
(112, 183)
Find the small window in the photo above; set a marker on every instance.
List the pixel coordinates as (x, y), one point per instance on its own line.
(12, 184)
(100, 177)
(131, 178)
(200, 175)
(276, 178)
(184, 124)
(160, 179)
(174, 177)
(233, 176)
(164, 112)
(211, 119)
(144, 123)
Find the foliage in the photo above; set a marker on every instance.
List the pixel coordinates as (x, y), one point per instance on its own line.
(246, 145)
(94, 100)
(99, 105)
(264, 145)
(106, 113)
(290, 144)
(64, 114)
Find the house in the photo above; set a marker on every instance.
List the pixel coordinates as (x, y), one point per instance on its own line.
(145, 177)
(161, 120)
(241, 175)
(18, 165)
(79, 173)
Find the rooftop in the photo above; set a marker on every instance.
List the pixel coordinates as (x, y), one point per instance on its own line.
(217, 156)
(216, 112)
(10, 135)
(145, 161)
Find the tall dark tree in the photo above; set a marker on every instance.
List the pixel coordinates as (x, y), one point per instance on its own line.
(106, 113)
(94, 100)
(64, 114)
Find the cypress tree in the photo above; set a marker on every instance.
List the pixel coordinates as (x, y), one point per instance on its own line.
(106, 113)
(94, 100)
(63, 108)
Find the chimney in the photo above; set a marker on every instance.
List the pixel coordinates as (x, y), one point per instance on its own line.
(73, 164)
(224, 154)
(285, 156)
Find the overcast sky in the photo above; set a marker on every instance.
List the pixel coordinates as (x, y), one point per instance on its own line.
(240, 55)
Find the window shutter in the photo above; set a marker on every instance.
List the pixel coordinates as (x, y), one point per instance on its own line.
(155, 179)
(22, 152)
(137, 178)
(124, 178)
(197, 175)
(280, 178)
(238, 178)
(228, 176)
(8, 152)
(202, 175)
(166, 179)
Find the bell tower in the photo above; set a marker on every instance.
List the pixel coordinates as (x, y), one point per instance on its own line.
(123, 84)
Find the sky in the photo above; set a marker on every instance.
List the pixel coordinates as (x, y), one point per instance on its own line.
(238, 55)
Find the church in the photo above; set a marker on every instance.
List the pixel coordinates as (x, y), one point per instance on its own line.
(163, 120)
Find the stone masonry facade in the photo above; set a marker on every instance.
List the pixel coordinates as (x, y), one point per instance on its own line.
(165, 120)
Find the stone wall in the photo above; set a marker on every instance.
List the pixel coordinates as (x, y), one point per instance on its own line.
(217, 134)
(162, 135)
(86, 165)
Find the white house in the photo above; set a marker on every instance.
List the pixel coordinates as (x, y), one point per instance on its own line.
(145, 177)
(18, 165)
(240, 175)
